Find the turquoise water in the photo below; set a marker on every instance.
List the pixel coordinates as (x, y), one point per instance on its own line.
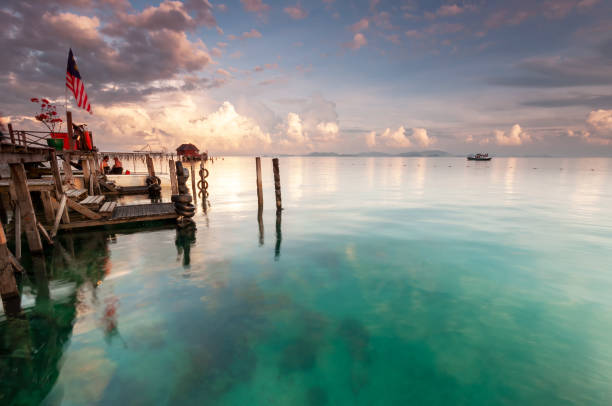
(387, 281)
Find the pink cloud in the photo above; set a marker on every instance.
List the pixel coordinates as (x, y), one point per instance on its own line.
(248, 34)
(296, 12)
(360, 25)
(358, 41)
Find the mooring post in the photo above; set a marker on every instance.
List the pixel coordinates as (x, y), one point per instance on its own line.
(259, 190)
(193, 183)
(69, 128)
(279, 235)
(173, 182)
(277, 186)
(8, 285)
(24, 200)
(93, 182)
(150, 167)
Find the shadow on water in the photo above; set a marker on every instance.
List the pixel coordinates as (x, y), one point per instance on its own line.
(33, 339)
(279, 236)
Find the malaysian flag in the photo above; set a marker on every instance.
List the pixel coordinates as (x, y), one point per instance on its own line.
(75, 84)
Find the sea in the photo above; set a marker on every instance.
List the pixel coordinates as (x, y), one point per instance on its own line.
(383, 281)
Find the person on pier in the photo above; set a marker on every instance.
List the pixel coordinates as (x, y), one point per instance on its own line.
(117, 167)
(104, 168)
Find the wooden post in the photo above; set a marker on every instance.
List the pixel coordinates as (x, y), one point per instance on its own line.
(70, 132)
(259, 190)
(12, 134)
(27, 209)
(193, 184)
(173, 182)
(279, 235)
(93, 183)
(277, 189)
(86, 173)
(47, 205)
(8, 285)
(68, 178)
(150, 167)
(17, 220)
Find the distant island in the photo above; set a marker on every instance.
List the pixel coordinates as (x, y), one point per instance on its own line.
(430, 153)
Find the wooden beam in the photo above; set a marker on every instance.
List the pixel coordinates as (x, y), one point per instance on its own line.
(56, 175)
(44, 233)
(10, 157)
(16, 265)
(58, 216)
(70, 131)
(27, 209)
(173, 182)
(83, 210)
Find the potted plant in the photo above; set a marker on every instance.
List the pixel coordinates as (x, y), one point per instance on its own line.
(48, 116)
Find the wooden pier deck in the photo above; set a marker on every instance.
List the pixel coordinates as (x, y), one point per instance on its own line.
(128, 214)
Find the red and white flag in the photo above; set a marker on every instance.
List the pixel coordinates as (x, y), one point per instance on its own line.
(75, 84)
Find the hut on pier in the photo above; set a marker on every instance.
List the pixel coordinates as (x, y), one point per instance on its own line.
(188, 152)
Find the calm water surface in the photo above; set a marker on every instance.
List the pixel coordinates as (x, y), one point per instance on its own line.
(386, 282)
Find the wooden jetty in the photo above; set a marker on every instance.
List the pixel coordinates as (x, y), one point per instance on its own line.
(65, 206)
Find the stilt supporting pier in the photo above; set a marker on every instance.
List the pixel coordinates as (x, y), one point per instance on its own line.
(277, 186)
(27, 209)
(259, 189)
(173, 182)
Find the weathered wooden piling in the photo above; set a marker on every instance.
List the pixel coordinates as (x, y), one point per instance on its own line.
(68, 178)
(86, 173)
(150, 167)
(279, 235)
(8, 285)
(24, 201)
(277, 186)
(173, 182)
(193, 183)
(259, 189)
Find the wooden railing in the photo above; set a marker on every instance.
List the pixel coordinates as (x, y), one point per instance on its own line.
(28, 138)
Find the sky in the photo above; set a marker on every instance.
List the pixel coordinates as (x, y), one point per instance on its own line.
(521, 77)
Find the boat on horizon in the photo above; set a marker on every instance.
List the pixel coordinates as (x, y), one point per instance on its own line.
(479, 157)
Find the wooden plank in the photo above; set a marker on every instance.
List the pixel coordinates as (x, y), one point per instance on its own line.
(83, 210)
(56, 175)
(105, 207)
(11, 132)
(173, 181)
(87, 200)
(27, 209)
(58, 216)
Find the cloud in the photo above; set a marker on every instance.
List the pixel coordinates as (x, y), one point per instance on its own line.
(224, 72)
(358, 41)
(248, 34)
(296, 12)
(360, 25)
(255, 6)
(447, 10)
(390, 139)
(295, 130)
(516, 136)
(600, 122)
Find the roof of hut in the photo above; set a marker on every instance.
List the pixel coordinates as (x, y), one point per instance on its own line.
(187, 147)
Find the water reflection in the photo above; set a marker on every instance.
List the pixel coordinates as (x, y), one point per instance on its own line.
(32, 341)
(185, 239)
(279, 236)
